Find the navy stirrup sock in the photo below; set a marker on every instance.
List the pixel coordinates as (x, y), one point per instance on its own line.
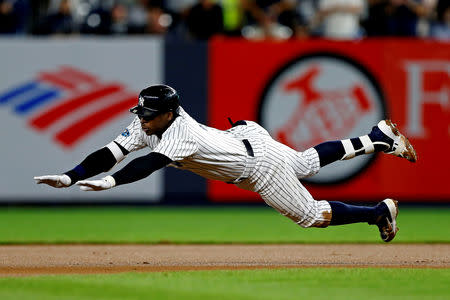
(375, 141)
(346, 214)
(330, 152)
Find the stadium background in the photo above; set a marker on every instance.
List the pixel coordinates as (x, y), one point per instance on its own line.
(61, 99)
(71, 68)
(65, 91)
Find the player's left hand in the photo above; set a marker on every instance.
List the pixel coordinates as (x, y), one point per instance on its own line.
(97, 185)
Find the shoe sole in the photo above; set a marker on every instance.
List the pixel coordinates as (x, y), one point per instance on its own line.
(408, 152)
(392, 225)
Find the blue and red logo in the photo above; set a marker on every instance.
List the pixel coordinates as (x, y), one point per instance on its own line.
(68, 94)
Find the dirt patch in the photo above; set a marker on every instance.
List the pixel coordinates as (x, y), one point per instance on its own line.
(20, 260)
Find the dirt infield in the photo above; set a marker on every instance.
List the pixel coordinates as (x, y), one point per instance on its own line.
(23, 260)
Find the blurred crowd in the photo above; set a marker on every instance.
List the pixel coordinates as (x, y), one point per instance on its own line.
(252, 19)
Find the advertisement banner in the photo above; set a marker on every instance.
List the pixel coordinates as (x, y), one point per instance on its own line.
(308, 92)
(63, 99)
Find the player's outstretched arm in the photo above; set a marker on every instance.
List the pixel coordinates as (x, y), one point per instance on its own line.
(95, 163)
(137, 169)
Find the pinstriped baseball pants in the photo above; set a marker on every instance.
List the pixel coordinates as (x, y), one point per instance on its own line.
(276, 175)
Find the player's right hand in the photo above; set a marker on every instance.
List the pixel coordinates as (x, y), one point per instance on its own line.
(97, 185)
(57, 181)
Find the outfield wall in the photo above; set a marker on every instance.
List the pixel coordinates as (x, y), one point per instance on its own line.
(61, 99)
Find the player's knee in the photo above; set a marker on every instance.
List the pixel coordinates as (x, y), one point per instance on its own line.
(305, 222)
(310, 163)
(321, 214)
(318, 216)
(314, 222)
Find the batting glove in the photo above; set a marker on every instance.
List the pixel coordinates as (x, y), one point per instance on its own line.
(97, 185)
(57, 181)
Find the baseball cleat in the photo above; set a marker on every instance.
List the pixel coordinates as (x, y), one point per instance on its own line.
(387, 222)
(397, 144)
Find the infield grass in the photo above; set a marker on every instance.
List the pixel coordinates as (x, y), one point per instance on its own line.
(305, 283)
(151, 225)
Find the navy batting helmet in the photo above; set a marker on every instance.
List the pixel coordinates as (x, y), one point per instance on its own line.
(156, 99)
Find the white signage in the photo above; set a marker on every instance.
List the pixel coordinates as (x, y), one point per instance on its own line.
(418, 97)
(63, 99)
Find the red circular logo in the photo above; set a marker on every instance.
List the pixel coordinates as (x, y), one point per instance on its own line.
(321, 97)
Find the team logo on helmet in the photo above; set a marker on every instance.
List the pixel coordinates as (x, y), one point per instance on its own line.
(322, 97)
(141, 101)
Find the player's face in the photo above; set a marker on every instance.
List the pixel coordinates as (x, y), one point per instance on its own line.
(158, 124)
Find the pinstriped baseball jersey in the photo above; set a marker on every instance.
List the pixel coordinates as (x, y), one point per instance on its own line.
(209, 152)
(273, 171)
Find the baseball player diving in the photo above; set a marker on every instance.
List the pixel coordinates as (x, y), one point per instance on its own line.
(244, 155)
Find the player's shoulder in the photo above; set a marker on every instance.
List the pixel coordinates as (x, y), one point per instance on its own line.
(183, 126)
(136, 127)
(184, 120)
(132, 129)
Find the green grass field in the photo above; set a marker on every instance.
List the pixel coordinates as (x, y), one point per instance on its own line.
(219, 225)
(307, 283)
(202, 225)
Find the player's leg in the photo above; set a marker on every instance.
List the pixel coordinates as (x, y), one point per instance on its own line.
(299, 206)
(283, 191)
(384, 215)
(287, 195)
(384, 137)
